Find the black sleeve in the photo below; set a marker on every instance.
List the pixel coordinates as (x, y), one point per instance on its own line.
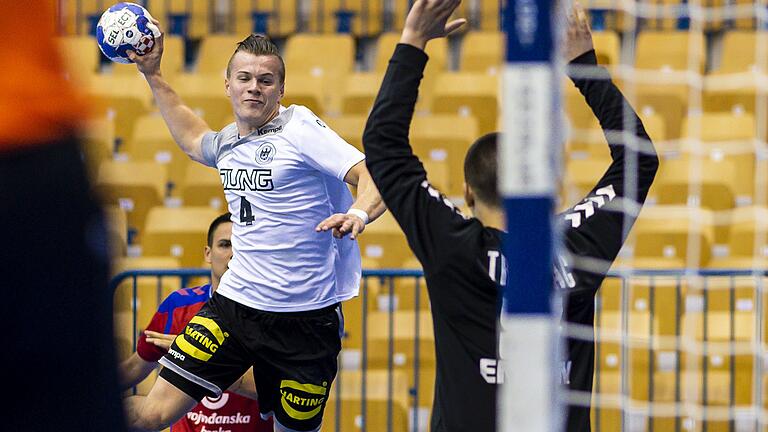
(595, 226)
(430, 222)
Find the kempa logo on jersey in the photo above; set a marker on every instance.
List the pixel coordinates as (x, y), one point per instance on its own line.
(243, 179)
(302, 401)
(206, 344)
(269, 130)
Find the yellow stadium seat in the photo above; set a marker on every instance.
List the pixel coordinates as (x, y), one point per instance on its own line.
(74, 16)
(80, 55)
(581, 176)
(360, 91)
(350, 128)
(404, 347)
(281, 16)
(173, 59)
(725, 137)
(366, 20)
(607, 47)
(98, 141)
(197, 15)
(439, 176)
(202, 187)
(670, 50)
(483, 15)
(121, 97)
(748, 233)
(469, 94)
(404, 291)
(204, 93)
(178, 232)
(704, 182)
(437, 138)
(307, 90)
(347, 393)
(663, 60)
(134, 186)
(149, 293)
(151, 140)
(215, 51)
(384, 242)
(437, 50)
(732, 84)
(663, 232)
(117, 226)
(482, 52)
(330, 57)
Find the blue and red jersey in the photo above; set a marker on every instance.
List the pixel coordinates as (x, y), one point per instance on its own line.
(232, 411)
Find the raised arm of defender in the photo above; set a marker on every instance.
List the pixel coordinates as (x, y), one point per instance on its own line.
(186, 127)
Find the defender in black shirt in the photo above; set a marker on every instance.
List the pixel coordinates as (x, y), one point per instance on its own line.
(461, 256)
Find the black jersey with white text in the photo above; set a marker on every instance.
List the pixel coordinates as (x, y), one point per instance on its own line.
(462, 260)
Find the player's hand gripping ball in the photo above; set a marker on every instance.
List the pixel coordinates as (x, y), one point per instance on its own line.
(126, 26)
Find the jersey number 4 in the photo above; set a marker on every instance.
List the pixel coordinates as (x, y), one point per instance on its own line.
(246, 214)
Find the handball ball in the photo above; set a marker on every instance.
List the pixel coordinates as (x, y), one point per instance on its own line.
(126, 26)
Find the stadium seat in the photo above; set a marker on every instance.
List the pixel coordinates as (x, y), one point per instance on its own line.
(306, 89)
(202, 187)
(670, 50)
(700, 182)
(725, 137)
(404, 344)
(330, 57)
(468, 94)
(151, 140)
(134, 186)
(117, 227)
(81, 56)
(173, 59)
(178, 232)
(121, 97)
(214, 53)
(662, 61)
(384, 242)
(444, 138)
(581, 176)
(360, 91)
(149, 292)
(98, 138)
(482, 52)
(75, 16)
(190, 19)
(483, 15)
(367, 17)
(344, 409)
(205, 94)
(663, 232)
(281, 17)
(349, 127)
(747, 237)
(607, 47)
(437, 50)
(732, 83)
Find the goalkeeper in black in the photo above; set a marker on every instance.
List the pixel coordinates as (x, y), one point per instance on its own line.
(461, 256)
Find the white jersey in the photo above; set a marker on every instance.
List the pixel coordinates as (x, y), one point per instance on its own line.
(280, 182)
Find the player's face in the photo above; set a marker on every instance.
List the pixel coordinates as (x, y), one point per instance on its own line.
(255, 89)
(220, 252)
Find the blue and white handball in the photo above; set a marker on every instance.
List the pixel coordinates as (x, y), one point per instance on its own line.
(126, 26)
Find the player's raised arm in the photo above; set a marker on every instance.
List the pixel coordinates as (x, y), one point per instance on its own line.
(597, 223)
(186, 127)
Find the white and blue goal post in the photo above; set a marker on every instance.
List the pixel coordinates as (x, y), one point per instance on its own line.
(527, 179)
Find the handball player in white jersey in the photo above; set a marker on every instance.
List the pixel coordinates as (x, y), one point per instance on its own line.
(284, 174)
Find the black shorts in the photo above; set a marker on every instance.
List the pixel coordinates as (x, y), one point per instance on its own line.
(293, 354)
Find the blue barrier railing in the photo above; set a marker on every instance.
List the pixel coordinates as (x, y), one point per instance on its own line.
(416, 418)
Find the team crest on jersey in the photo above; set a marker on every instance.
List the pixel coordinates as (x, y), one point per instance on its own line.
(265, 153)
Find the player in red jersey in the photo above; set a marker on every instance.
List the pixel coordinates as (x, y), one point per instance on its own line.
(230, 411)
